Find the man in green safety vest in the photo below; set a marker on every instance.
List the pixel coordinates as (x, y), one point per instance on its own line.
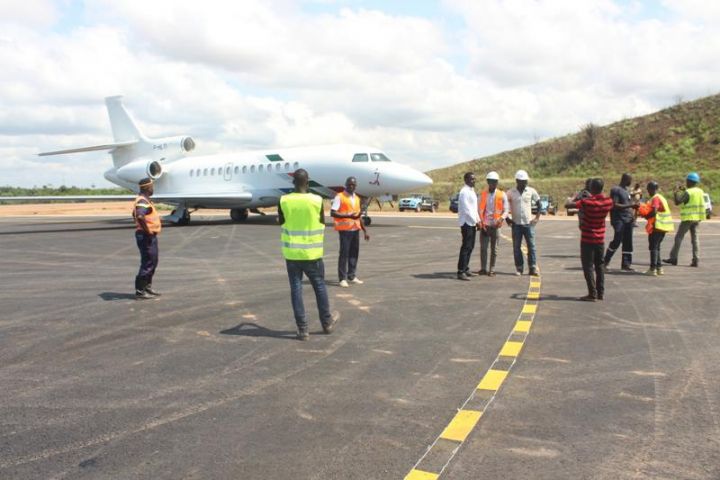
(692, 212)
(302, 218)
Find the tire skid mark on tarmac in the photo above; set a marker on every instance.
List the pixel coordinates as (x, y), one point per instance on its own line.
(464, 421)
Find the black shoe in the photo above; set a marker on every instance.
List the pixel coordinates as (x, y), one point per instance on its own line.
(142, 295)
(587, 298)
(302, 334)
(462, 276)
(152, 292)
(695, 263)
(627, 269)
(330, 327)
(468, 273)
(599, 296)
(482, 272)
(670, 261)
(534, 272)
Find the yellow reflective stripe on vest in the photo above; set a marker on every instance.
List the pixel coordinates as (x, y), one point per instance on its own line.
(663, 220)
(302, 234)
(694, 209)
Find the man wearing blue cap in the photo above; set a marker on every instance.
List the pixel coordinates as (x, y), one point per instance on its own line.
(692, 212)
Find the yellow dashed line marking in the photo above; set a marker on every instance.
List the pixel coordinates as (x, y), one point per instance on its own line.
(522, 326)
(492, 380)
(511, 349)
(464, 421)
(461, 426)
(420, 475)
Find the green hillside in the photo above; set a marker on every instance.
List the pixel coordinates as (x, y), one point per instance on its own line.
(662, 146)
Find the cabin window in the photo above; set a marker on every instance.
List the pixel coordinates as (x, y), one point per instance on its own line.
(244, 169)
(197, 172)
(296, 165)
(227, 170)
(252, 169)
(360, 157)
(237, 170)
(287, 167)
(379, 157)
(278, 167)
(191, 173)
(260, 168)
(205, 172)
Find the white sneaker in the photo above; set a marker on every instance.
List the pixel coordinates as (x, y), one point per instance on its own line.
(344, 284)
(357, 281)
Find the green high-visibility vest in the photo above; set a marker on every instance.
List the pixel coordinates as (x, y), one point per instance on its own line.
(694, 209)
(302, 233)
(663, 220)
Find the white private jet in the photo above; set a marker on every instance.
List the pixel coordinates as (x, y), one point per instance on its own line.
(242, 181)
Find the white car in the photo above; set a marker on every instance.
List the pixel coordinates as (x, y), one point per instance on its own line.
(708, 205)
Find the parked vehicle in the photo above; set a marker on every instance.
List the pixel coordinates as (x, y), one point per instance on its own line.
(418, 202)
(547, 206)
(454, 203)
(708, 205)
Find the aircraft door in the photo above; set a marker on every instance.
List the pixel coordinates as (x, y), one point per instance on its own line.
(227, 172)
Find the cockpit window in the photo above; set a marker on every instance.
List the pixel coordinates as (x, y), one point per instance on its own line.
(360, 157)
(379, 157)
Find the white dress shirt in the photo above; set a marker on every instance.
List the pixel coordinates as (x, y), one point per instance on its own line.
(468, 207)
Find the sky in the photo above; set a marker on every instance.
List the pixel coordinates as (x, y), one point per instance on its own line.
(431, 83)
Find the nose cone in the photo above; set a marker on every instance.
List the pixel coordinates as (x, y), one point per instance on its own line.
(415, 179)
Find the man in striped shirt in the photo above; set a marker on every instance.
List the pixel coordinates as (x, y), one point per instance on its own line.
(594, 209)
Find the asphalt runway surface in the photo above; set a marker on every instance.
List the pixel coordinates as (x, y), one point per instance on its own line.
(208, 381)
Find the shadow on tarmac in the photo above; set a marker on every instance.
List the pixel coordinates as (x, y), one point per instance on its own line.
(110, 296)
(255, 330)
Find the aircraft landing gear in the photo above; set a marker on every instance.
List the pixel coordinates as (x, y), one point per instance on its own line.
(239, 214)
(184, 218)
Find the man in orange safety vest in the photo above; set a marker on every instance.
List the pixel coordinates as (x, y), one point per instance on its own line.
(345, 210)
(493, 209)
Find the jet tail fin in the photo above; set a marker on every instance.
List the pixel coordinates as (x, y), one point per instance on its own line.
(122, 124)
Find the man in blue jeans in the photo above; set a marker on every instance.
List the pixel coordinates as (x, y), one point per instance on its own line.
(521, 199)
(622, 220)
(302, 219)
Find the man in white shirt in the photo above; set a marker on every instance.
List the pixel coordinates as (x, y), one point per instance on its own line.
(468, 218)
(521, 199)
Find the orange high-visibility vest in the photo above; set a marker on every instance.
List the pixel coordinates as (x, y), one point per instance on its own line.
(497, 214)
(152, 219)
(346, 206)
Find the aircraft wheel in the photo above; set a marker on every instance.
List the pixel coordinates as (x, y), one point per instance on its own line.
(367, 221)
(239, 214)
(185, 219)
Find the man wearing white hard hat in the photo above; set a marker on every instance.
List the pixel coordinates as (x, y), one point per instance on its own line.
(521, 199)
(493, 210)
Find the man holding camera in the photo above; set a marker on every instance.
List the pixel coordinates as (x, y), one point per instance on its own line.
(692, 212)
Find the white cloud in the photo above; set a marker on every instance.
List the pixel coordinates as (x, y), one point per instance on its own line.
(253, 74)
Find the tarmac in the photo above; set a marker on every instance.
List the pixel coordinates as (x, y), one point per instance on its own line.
(208, 380)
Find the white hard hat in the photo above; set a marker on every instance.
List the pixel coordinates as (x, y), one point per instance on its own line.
(492, 176)
(521, 175)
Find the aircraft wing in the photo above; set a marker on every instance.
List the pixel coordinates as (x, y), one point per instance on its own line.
(67, 198)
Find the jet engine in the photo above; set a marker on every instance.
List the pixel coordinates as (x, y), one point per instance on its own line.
(139, 169)
(170, 148)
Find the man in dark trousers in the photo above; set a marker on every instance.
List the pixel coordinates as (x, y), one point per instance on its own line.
(302, 219)
(147, 228)
(592, 240)
(622, 219)
(692, 212)
(345, 210)
(468, 218)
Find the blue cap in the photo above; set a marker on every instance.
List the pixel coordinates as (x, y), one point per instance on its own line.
(693, 177)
